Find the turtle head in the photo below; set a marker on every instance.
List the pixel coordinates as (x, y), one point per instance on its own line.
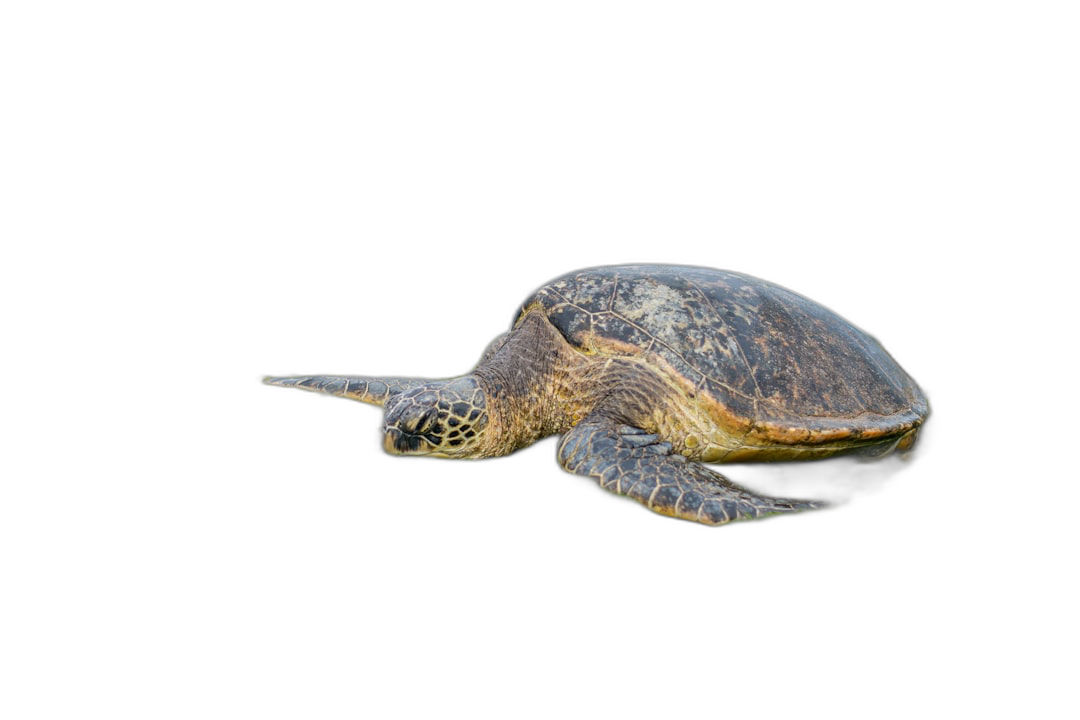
(441, 418)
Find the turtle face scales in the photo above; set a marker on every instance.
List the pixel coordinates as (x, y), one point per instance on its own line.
(442, 419)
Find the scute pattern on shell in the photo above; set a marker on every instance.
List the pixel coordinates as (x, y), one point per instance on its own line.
(766, 354)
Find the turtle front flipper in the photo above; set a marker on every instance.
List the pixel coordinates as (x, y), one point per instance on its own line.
(629, 461)
(371, 390)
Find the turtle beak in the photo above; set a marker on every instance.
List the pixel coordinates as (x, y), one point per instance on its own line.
(396, 442)
(389, 445)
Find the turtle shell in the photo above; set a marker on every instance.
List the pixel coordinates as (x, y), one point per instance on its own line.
(770, 362)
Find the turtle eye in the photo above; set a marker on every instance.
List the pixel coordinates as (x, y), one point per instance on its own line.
(425, 421)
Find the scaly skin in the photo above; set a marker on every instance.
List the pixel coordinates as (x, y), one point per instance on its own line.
(373, 391)
(628, 461)
(645, 370)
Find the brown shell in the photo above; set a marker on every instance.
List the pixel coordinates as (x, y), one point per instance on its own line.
(786, 368)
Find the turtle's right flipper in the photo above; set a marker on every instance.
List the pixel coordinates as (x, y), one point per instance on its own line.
(628, 461)
(371, 390)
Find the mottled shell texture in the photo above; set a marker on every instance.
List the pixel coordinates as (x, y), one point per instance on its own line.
(769, 359)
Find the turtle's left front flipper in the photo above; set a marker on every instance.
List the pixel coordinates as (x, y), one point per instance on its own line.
(370, 390)
(629, 461)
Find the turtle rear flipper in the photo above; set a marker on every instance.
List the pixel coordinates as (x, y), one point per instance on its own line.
(629, 461)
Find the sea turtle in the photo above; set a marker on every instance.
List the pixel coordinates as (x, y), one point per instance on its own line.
(649, 370)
